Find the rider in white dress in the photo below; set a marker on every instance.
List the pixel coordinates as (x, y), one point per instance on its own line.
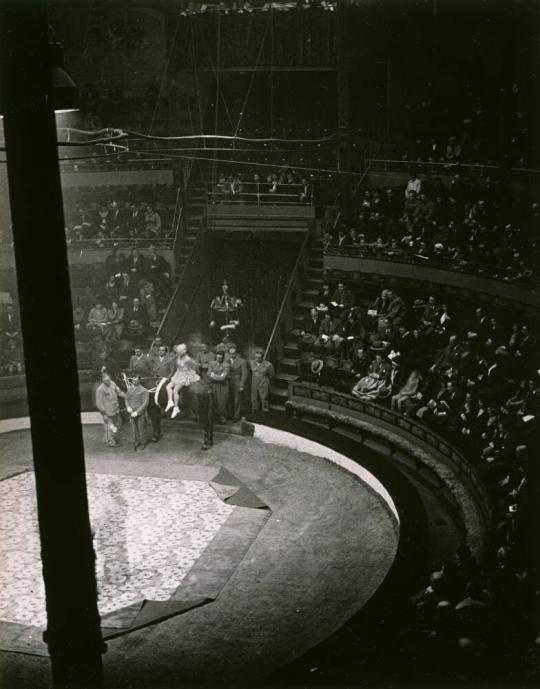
(185, 374)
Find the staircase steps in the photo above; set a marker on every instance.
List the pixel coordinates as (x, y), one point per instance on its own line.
(289, 365)
(277, 408)
(292, 350)
(294, 335)
(282, 380)
(278, 396)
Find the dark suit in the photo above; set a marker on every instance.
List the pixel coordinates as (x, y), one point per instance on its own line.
(136, 321)
(396, 310)
(157, 269)
(311, 325)
(136, 267)
(135, 221)
(9, 324)
(310, 329)
(344, 301)
(238, 373)
(162, 367)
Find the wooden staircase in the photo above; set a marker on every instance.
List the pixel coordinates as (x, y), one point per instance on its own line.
(287, 364)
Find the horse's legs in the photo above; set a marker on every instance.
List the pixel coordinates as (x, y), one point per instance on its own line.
(154, 412)
(205, 418)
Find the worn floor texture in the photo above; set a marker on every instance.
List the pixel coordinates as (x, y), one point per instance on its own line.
(318, 557)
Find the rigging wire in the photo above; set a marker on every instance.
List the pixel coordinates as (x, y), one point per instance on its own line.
(222, 94)
(251, 163)
(166, 68)
(227, 137)
(254, 72)
(195, 73)
(271, 77)
(122, 134)
(218, 80)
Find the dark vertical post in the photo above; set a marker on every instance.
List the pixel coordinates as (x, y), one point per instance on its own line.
(504, 143)
(343, 114)
(73, 626)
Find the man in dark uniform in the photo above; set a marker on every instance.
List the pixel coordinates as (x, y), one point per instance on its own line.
(238, 374)
(136, 404)
(261, 373)
(204, 358)
(217, 375)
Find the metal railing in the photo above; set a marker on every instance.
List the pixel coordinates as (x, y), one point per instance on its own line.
(432, 167)
(284, 318)
(81, 245)
(260, 193)
(460, 265)
(328, 400)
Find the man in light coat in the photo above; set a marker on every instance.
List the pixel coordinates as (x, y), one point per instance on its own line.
(262, 372)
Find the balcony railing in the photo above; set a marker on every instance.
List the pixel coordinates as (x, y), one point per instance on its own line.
(330, 401)
(261, 193)
(442, 168)
(460, 265)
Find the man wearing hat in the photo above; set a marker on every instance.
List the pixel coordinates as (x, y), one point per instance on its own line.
(261, 373)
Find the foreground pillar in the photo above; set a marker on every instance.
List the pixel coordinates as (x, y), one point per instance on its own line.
(343, 110)
(73, 636)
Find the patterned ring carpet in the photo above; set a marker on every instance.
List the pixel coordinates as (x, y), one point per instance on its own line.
(148, 533)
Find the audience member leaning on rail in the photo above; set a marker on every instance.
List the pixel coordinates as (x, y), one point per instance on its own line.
(468, 225)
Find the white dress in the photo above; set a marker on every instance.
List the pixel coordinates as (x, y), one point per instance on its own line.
(185, 373)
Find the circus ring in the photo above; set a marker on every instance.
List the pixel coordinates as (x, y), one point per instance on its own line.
(213, 567)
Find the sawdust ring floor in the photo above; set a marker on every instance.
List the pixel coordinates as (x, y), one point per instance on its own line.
(319, 556)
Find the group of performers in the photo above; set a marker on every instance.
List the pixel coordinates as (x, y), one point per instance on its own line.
(226, 372)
